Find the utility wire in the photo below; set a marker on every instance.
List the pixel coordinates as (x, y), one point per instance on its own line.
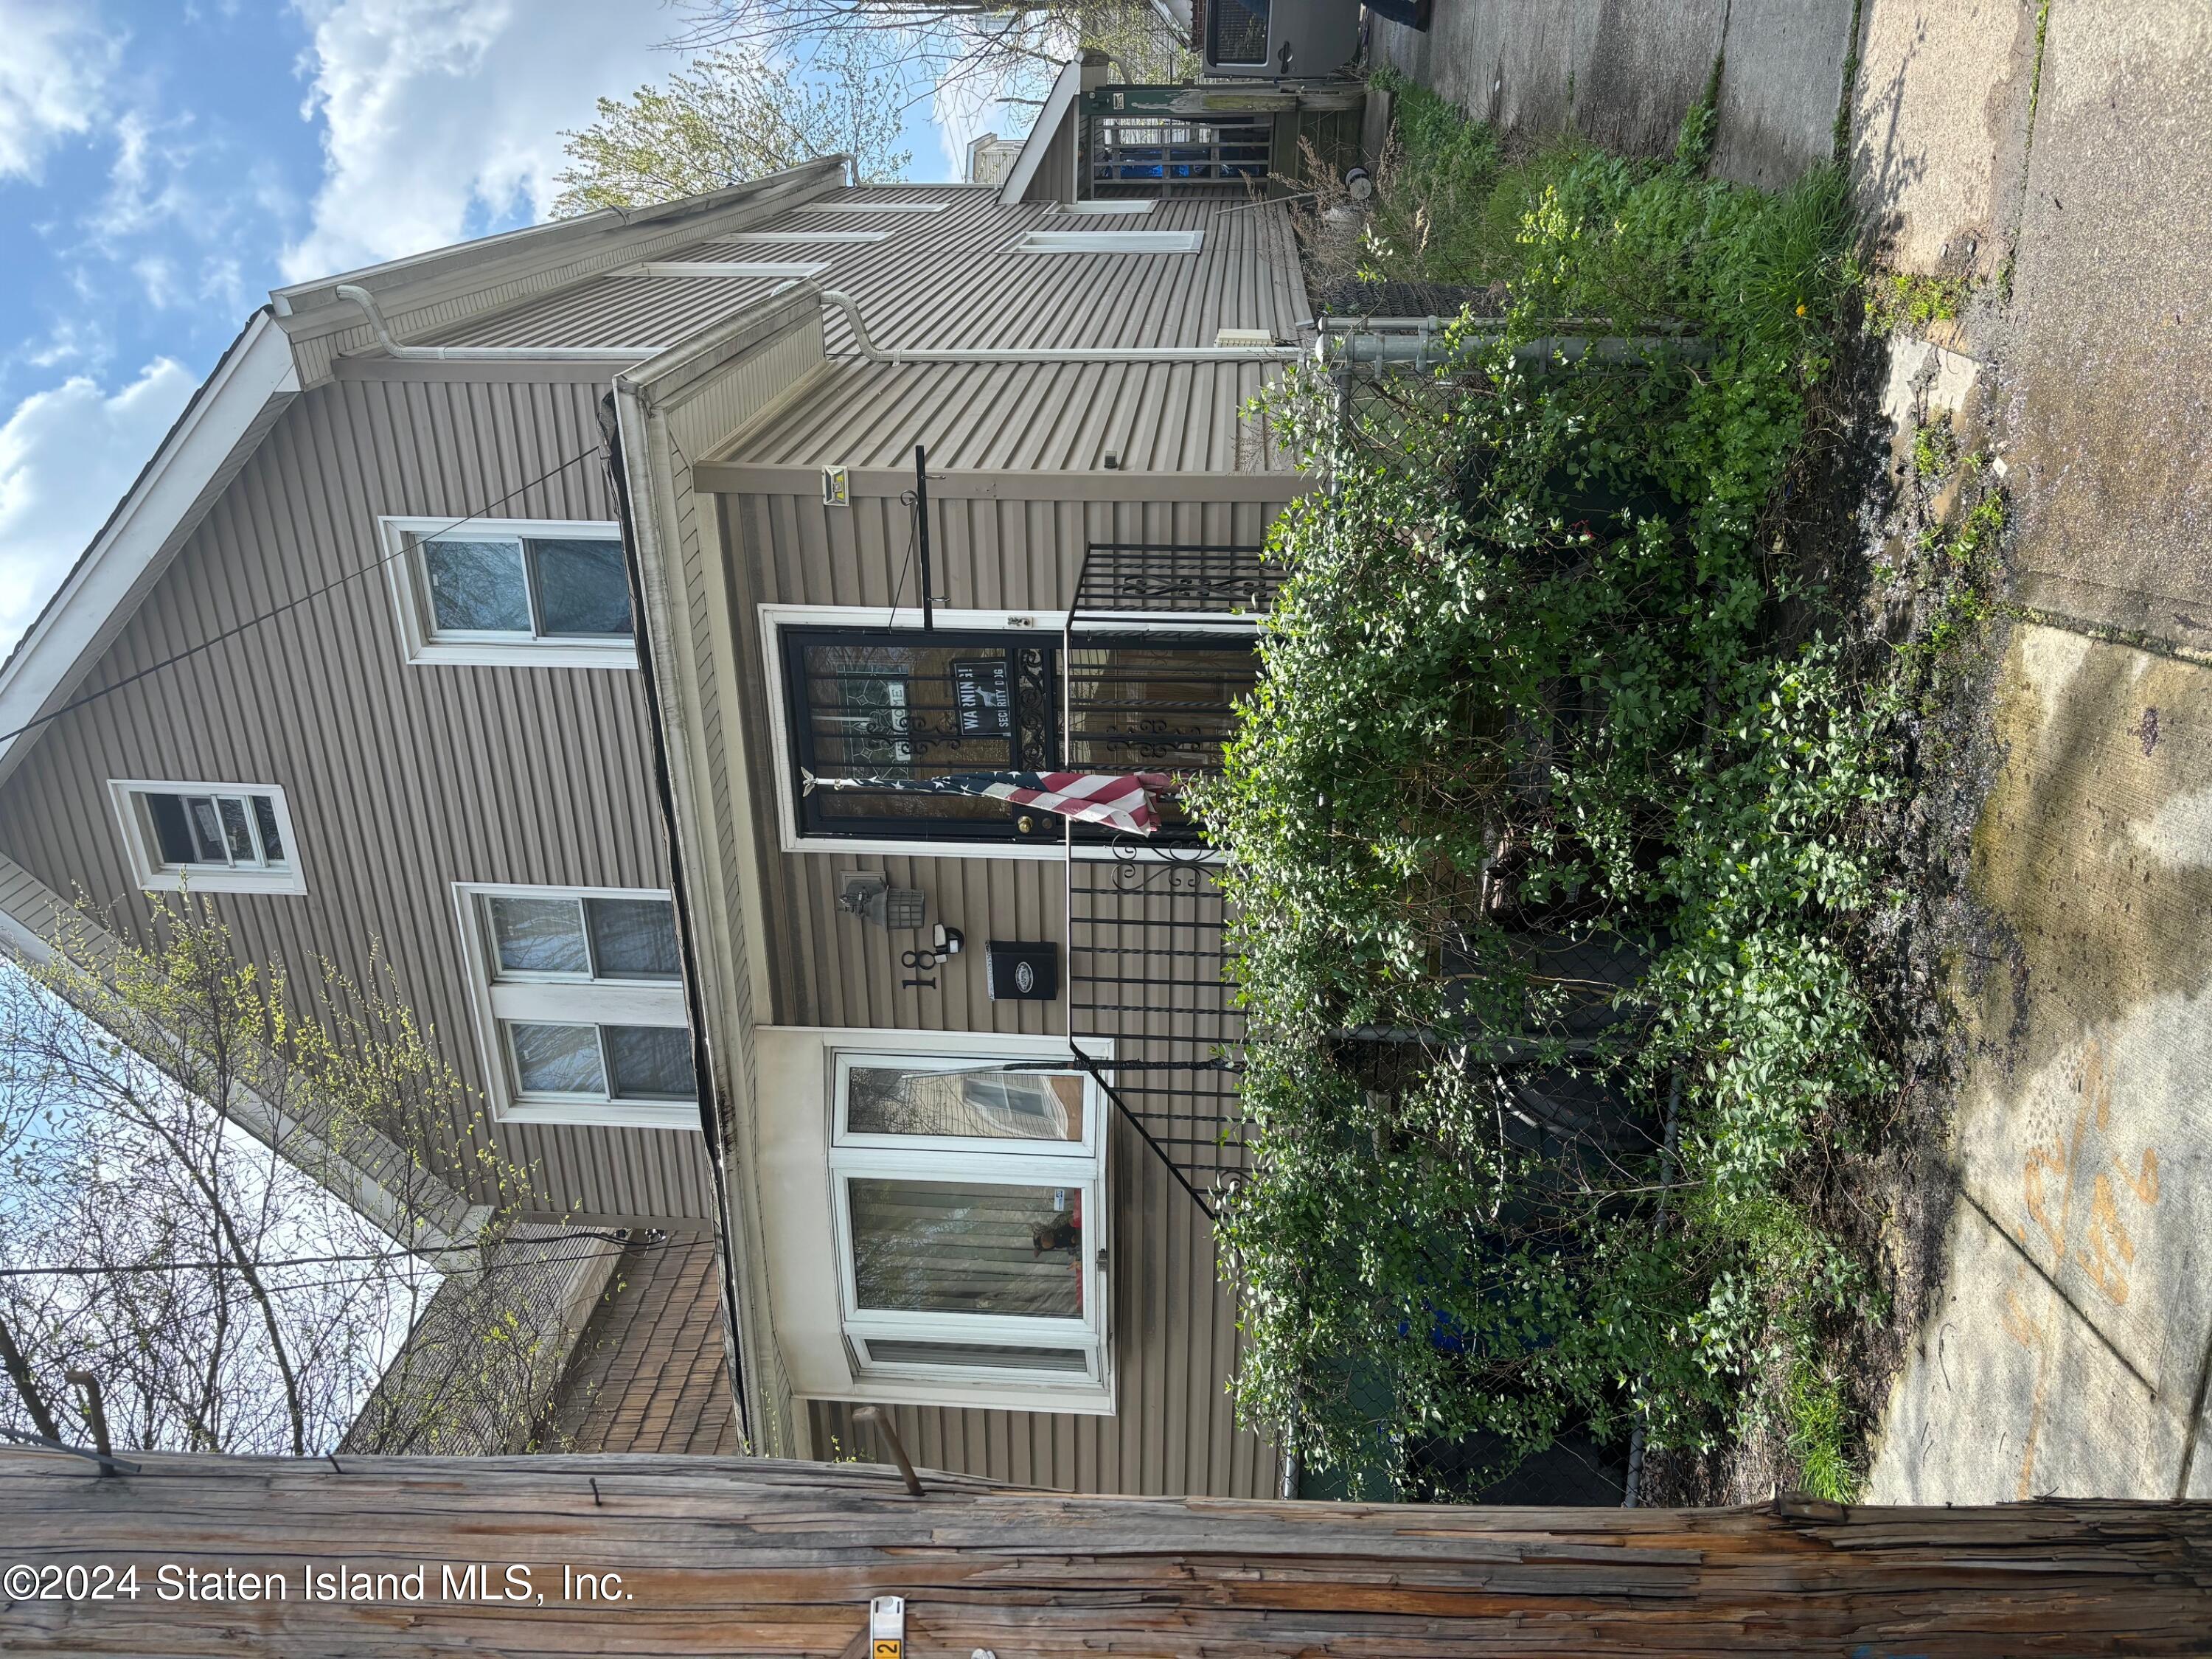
(293, 604)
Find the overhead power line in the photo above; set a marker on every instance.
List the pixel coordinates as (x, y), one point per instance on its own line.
(275, 612)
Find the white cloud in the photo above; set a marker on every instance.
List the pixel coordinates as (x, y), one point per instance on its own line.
(54, 64)
(442, 115)
(66, 456)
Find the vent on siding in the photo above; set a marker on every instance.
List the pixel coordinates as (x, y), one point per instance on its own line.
(1110, 241)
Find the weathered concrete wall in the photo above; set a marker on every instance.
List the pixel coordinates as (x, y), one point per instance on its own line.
(1623, 72)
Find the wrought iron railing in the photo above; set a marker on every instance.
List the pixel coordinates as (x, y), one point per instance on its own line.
(1151, 1004)
(1206, 582)
(1159, 645)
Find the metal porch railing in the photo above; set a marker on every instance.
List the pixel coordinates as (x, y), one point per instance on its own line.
(1158, 647)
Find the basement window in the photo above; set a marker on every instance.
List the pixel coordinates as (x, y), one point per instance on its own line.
(579, 1002)
(1110, 241)
(551, 593)
(969, 1196)
(216, 838)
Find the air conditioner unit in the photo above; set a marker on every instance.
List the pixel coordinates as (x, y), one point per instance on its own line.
(1280, 40)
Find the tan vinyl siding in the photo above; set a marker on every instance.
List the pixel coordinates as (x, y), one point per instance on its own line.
(401, 779)
(1175, 1328)
(1054, 179)
(953, 279)
(999, 417)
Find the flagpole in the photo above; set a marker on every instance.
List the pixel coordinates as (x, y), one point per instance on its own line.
(922, 532)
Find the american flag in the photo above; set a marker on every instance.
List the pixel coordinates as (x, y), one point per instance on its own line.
(1120, 800)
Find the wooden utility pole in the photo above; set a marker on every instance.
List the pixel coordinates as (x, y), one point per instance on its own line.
(424, 1556)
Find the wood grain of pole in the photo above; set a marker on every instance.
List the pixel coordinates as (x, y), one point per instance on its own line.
(735, 1556)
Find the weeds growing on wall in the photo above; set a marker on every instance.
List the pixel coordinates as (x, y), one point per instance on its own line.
(1547, 832)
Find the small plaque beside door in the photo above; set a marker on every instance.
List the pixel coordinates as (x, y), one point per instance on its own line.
(979, 696)
(1016, 972)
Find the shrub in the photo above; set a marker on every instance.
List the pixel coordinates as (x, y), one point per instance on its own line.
(1525, 708)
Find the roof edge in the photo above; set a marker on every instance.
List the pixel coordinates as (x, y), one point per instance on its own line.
(539, 245)
(205, 446)
(1059, 105)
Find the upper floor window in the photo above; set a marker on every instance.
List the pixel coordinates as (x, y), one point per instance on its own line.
(580, 1004)
(552, 592)
(218, 837)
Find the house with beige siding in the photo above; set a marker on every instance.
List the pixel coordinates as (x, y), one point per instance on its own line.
(567, 619)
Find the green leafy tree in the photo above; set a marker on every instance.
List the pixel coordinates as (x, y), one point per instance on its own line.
(735, 113)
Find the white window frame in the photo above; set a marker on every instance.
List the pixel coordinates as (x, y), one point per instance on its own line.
(1078, 1167)
(152, 875)
(1145, 204)
(399, 535)
(854, 236)
(561, 999)
(1109, 241)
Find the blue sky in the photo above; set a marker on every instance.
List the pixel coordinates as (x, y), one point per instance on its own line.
(164, 163)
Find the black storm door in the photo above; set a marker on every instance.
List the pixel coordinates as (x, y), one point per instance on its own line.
(902, 706)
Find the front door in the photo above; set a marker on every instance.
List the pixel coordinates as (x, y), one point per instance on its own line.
(876, 714)
(885, 707)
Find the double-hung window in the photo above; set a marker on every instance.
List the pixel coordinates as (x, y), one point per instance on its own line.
(553, 592)
(970, 1202)
(580, 1005)
(217, 837)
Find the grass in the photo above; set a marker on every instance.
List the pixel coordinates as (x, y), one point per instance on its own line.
(1935, 450)
(1819, 1428)
(1910, 302)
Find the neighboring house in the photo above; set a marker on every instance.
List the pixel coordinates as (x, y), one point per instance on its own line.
(357, 658)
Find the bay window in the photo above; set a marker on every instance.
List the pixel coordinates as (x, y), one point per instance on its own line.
(968, 1198)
